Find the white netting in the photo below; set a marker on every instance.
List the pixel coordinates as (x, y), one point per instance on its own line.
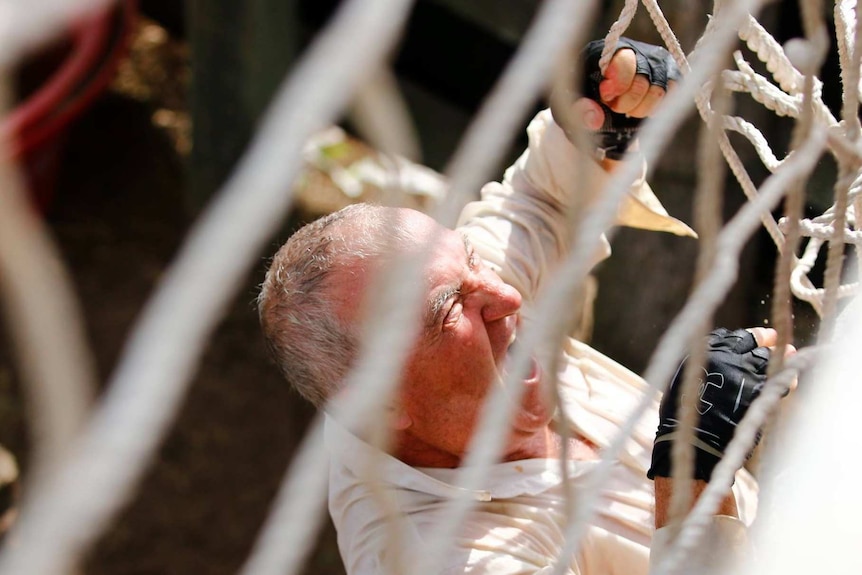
(796, 93)
(67, 510)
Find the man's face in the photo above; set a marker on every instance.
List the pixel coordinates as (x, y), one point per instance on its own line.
(469, 321)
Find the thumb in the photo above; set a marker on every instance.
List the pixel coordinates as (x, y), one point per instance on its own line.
(589, 113)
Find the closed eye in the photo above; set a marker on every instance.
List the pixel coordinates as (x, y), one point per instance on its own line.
(440, 307)
(453, 316)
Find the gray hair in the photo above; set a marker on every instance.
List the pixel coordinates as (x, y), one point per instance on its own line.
(311, 346)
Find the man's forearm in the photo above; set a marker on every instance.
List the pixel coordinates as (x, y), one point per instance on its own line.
(664, 491)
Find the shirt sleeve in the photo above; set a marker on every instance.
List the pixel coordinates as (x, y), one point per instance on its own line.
(520, 226)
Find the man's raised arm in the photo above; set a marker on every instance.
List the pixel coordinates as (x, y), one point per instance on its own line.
(522, 225)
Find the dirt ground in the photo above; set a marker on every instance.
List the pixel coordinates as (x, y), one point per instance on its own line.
(118, 219)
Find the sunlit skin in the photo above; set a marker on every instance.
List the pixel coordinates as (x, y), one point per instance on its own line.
(470, 315)
(469, 318)
(458, 355)
(624, 92)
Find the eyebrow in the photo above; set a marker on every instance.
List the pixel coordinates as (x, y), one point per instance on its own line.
(468, 249)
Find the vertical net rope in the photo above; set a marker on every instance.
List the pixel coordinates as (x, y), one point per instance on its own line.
(792, 90)
(783, 96)
(127, 424)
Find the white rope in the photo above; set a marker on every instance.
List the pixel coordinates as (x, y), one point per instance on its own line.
(559, 25)
(730, 155)
(654, 134)
(820, 230)
(615, 32)
(825, 231)
(45, 322)
(757, 139)
(787, 101)
(73, 506)
(71, 509)
(846, 29)
(746, 80)
(667, 35)
(695, 524)
(772, 97)
(772, 54)
(846, 152)
(846, 171)
(803, 289)
(24, 26)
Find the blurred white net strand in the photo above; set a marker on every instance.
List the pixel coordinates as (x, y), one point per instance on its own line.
(65, 513)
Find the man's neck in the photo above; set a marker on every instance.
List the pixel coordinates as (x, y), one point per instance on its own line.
(416, 453)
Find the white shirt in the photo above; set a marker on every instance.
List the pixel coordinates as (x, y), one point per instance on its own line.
(517, 524)
(519, 227)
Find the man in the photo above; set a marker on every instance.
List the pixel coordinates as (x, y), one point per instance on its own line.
(477, 279)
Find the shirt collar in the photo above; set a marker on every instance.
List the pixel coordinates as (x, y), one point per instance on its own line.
(506, 480)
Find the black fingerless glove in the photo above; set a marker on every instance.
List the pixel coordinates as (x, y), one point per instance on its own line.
(734, 374)
(613, 138)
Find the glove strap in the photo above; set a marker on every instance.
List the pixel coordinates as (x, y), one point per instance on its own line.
(706, 458)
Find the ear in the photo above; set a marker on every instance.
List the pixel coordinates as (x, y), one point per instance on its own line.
(399, 419)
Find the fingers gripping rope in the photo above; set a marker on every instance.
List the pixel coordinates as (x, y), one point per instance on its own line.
(617, 132)
(784, 99)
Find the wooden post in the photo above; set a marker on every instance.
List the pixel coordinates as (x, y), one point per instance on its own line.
(241, 51)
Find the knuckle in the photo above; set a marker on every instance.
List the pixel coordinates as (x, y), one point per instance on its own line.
(632, 97)
(649, 102)
(624, 57)
(655, 93)
(640, 86)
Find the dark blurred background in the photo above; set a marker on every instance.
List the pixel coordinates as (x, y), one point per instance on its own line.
(121, 183)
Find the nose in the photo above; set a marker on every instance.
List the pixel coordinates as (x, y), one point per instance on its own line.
(500, 299)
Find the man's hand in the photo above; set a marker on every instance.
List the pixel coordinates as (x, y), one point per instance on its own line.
(739, 357)
(733, 377)
(637, 78)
